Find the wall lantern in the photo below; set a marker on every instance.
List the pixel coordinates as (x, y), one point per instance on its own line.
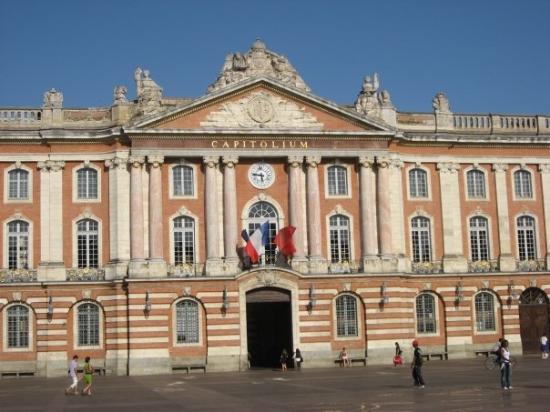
(225, 300)
(459, 295)
(148, 306)
(384, 298)
(312, 301)
(50, 306)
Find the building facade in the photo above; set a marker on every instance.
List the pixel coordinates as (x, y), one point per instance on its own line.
(121, 226)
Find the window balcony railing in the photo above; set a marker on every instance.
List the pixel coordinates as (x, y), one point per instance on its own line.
(345, 266)
(17, 275)
(427, 267)
(483, 266)
(185, 270)
(85, 274)
(534, 265)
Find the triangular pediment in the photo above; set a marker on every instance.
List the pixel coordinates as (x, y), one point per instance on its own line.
(262, 105)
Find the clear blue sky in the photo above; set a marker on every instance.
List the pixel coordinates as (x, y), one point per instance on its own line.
(488, 56)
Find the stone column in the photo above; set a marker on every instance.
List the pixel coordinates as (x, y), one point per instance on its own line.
(317, 264)
(138, 265)
(387, 258)
(51, 266)
(545, 175)
(231, 229)
(454, 260)
(119, 218)
(507, 263)
(369, 223)
(398, 215)
(157, 264)
(295, 200)
(213, 261)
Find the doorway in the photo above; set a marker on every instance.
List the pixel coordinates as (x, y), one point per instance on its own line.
(533, 318)
(269, 326)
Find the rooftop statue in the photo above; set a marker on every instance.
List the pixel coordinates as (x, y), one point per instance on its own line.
(53, 99)
(119, 94)
(440, 103)
(368, 100)
(149, 93)
(258, 61)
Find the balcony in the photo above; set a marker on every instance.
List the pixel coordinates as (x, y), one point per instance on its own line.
(425, 268)
(85, 274)
(483, 266)
(17, 275)
(185, 270)
(345, 266)
(535, 265)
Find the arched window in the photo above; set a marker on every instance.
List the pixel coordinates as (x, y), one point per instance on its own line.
(337, 181)
(88, 325)
(485, 312)
(183, 181)
(187, 322)
(522, 184)
(339, 232)
(346, 316)
(18, 245)
(479, 238)
(258, 214)
(476, 184)
(418, 183)
(18, 326)
(421, 239)
(87, 237)
(425, 313)
(86, 182)
(184, 240)
(527, 245)
(18, 181)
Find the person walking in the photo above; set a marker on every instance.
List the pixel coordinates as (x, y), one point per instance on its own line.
(88, 373)
(298, 359)
(284, 359)
(544, 346)
(397, 359)
(505, 366)
(73, 375)
(416, 365)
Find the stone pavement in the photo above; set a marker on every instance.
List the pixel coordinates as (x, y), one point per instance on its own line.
(451, 386)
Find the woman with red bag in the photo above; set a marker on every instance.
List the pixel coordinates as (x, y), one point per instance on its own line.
(397, 359)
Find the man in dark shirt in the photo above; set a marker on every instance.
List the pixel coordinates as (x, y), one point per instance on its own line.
(416, 365)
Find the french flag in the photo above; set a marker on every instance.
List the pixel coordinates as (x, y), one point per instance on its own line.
(256, 242)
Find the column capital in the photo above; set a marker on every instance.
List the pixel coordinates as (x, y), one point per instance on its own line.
(544, 168)
(230, 161)
(448, 167)
(136, 161)
(366, 161)
(500, 167)
(210, 161)
(313, 161)
(295, 161)
(383, 162)
(116, 162)
(155, 160)
(396, 163)
(51, 165)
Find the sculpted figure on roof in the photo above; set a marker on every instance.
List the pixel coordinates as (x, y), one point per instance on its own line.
(440, 103)
(149, 93)
(258, 61)
(368, 102)
(53, 99)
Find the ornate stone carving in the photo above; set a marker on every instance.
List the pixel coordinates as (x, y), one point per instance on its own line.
(85, 274)
(396, 163)
(262, 110)
(116, 162)
(53, 99)
(313, 161)
(230, 161)
(544, 168)
(51, 165)
(448, 167)
(86, 294)
(136, 161)
(149, 93)
(295, 161)
(187, 291)
(367, 161)
(385, 99)
(119, 94)
(16, 296)
(367, 101)
(440, 103)
(383, 162)
(268, 278)
(155, 160)
(258, 61)
(485, 284)
(500, 167)
(346, 287)
(210, 161)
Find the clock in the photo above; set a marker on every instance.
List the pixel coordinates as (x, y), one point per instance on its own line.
(261, 175)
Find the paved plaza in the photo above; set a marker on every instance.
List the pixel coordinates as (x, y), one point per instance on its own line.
(451, 386)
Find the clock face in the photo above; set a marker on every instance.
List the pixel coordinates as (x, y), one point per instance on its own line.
(261, 175)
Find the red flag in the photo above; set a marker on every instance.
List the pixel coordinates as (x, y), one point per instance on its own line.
(284, 242)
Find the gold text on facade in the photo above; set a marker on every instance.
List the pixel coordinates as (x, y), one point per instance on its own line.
(259, 144)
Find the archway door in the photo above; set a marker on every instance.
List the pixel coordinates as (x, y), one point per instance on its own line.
(269, 326)
(534, 318)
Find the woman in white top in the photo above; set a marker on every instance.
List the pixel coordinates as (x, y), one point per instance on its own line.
(505, 366)
(544, 346)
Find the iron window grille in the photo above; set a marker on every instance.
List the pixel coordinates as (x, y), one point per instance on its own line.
(88, 325)
(425, 313)
(18, 326)
(346, 316)
(485, 312)
(187, 322)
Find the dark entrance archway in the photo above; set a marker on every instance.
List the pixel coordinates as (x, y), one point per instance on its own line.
(534, 318)
(269, 326)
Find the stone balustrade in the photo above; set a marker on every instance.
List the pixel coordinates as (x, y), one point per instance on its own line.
(18, 275)
(20, 116)
(185, 270)
(85, 274)
(535, 265)
(483, 266)
(432, 267)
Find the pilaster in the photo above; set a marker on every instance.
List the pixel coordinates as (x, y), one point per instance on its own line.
(138, 265)
(545, 175)
(231, 230)
(369, 224)
(398, 215)
(157, 264)
(453, 254)
(214, 264)
(388, 260)
(507, 262)
(297, 219)
(51, 266)
(317, 263)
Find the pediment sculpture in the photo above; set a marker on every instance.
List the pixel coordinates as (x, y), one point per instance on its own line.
(149, 93)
